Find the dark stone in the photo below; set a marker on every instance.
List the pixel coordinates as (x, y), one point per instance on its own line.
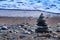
(21, 37)
(41, 21)
(22, 25)
(41, 30)
(42, 26)
(3, 28)
(25, 28)
(10, 31)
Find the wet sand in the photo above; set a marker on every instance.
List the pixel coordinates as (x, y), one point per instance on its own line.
(18, 20)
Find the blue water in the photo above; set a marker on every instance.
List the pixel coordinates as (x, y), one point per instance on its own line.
(45, 5)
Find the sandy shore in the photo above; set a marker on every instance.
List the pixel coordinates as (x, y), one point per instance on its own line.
(18, 20)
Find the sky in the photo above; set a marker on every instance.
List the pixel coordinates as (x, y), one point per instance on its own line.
(44, 5)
